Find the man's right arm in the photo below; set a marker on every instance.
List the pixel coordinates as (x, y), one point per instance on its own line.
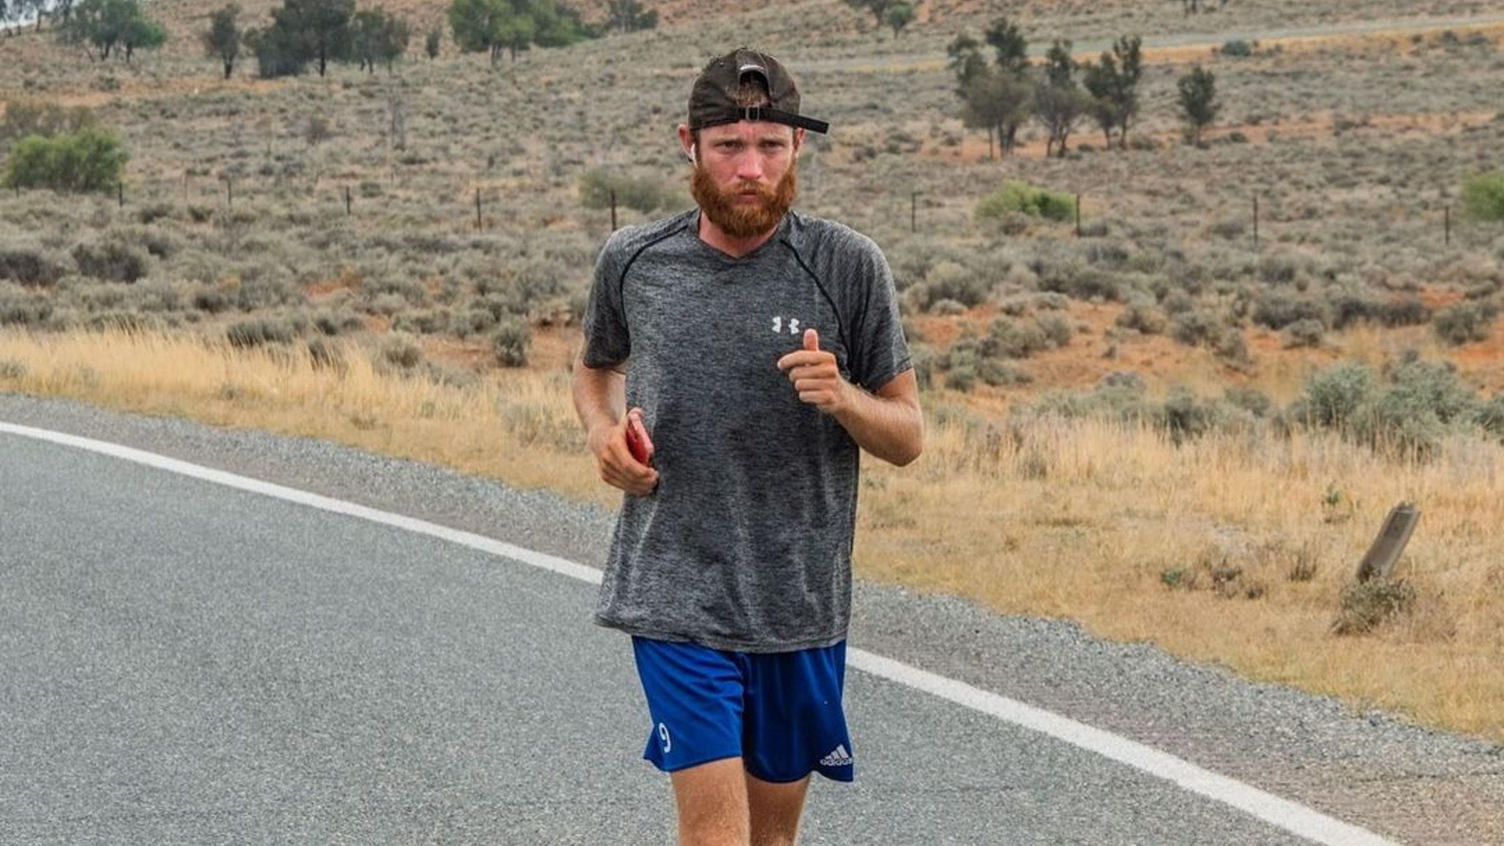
(600, 394)
(600, 400)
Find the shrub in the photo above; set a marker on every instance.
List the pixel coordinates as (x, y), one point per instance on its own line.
(1367, 605)
(997, 373)
(88, 160)
(1197, 327)
(1483, 196)
(511, 341)
(402, 349)
(1143, 317)
(1304, 333)
(1278, 309)
(962, 379)
(1011, 338)
(1237, 48)
(947, 280)
(643, 195)
(28, 268)
(258, 332)
(1465, 322)
(324, 354)
(1022, 197)
(1333, 395)
(111, 261)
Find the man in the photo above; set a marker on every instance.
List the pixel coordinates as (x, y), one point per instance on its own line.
(759, 350)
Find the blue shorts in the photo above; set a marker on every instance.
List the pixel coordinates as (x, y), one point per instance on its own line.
(780, 711)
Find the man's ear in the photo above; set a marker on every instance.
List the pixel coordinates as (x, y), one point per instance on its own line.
(687, 142)
(798, 139)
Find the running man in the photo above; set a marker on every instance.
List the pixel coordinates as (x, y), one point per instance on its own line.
(759, 350)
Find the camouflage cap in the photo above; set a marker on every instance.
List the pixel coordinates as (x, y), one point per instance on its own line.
(712, 100)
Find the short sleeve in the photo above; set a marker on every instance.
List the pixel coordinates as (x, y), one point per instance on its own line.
(881, 352)
(607, 341)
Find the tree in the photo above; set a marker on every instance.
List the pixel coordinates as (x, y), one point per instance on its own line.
(898, 15)
(1059, 102)
(995, 97)
(495, 26)
(222, 39)
(102, 25)
(142, 33)
(277, 52)
(1011, 47)
(878, 8)
(1198, 101)
(629, 16)
(321, 28)
(431, 44)
(1113, 84)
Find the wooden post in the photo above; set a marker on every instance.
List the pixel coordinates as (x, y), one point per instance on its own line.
(347, 201)
(1255, 222)
(477, 210)
(230, 192)
(1390, 542)
(1078, 214)
(613, 209)
(120, 191)
(913, 211)
(1448, 224)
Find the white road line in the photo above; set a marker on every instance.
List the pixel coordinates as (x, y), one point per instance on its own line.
(1281, 813)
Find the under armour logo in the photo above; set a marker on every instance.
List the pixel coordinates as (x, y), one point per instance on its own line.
(793, 325)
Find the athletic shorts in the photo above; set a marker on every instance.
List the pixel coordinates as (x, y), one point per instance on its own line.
(779, 712)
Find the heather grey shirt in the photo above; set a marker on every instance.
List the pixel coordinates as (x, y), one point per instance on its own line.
(746, 542)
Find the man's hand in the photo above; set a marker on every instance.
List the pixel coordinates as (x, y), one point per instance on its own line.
(816, 376)
(617, 466)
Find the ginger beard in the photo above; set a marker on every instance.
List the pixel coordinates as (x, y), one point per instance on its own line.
(742, 219)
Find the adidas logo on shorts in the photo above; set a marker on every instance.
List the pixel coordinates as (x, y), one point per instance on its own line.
(838, 757)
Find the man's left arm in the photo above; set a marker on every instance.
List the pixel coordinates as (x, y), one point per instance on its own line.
(887, 424)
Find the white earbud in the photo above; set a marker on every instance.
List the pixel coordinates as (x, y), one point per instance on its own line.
(691, 155)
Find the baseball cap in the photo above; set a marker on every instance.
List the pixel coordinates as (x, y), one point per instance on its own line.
(712, 100)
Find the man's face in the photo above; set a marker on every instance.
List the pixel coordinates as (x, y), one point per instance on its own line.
(745, 175)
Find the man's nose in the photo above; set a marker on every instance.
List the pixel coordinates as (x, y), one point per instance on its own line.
(749, 166)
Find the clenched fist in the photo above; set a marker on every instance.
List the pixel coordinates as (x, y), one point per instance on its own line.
(613, 456)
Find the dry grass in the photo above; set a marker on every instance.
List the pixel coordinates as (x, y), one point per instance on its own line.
(1082, 520)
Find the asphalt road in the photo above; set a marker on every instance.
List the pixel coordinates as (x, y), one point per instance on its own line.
(182, 662)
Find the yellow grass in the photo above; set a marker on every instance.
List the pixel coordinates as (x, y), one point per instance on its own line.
(1071, 519)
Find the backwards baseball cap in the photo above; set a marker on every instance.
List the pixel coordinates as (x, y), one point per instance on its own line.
(712, 100)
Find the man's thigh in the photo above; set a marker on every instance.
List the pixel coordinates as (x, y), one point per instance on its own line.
(773, 810)
(712, 804)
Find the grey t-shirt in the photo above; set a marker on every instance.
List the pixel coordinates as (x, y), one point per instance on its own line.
(746, 542)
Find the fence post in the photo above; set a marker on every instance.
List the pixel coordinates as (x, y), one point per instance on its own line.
(1255, 221)
(230, 192)
(913, 211)
(477, 210)
(120, 191)
(613, 209)
(347, 201)
(1078, 214)
(1448, 211)
(1391, 540)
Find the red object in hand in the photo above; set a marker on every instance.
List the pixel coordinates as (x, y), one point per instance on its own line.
(637, 439)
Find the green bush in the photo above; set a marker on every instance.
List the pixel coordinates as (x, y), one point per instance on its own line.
(1483, 196)
(643, 195)
(1237, 48)
(1016, 196)
(1143, 317)
(88, 160)
(1333, 395)
(1304, 333)
(402, 349)
(259, 331)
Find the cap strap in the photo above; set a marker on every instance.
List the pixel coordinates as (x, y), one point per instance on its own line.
(766, 113)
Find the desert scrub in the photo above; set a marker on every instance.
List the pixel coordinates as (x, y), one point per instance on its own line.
(1465, 322)
(511, 341)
